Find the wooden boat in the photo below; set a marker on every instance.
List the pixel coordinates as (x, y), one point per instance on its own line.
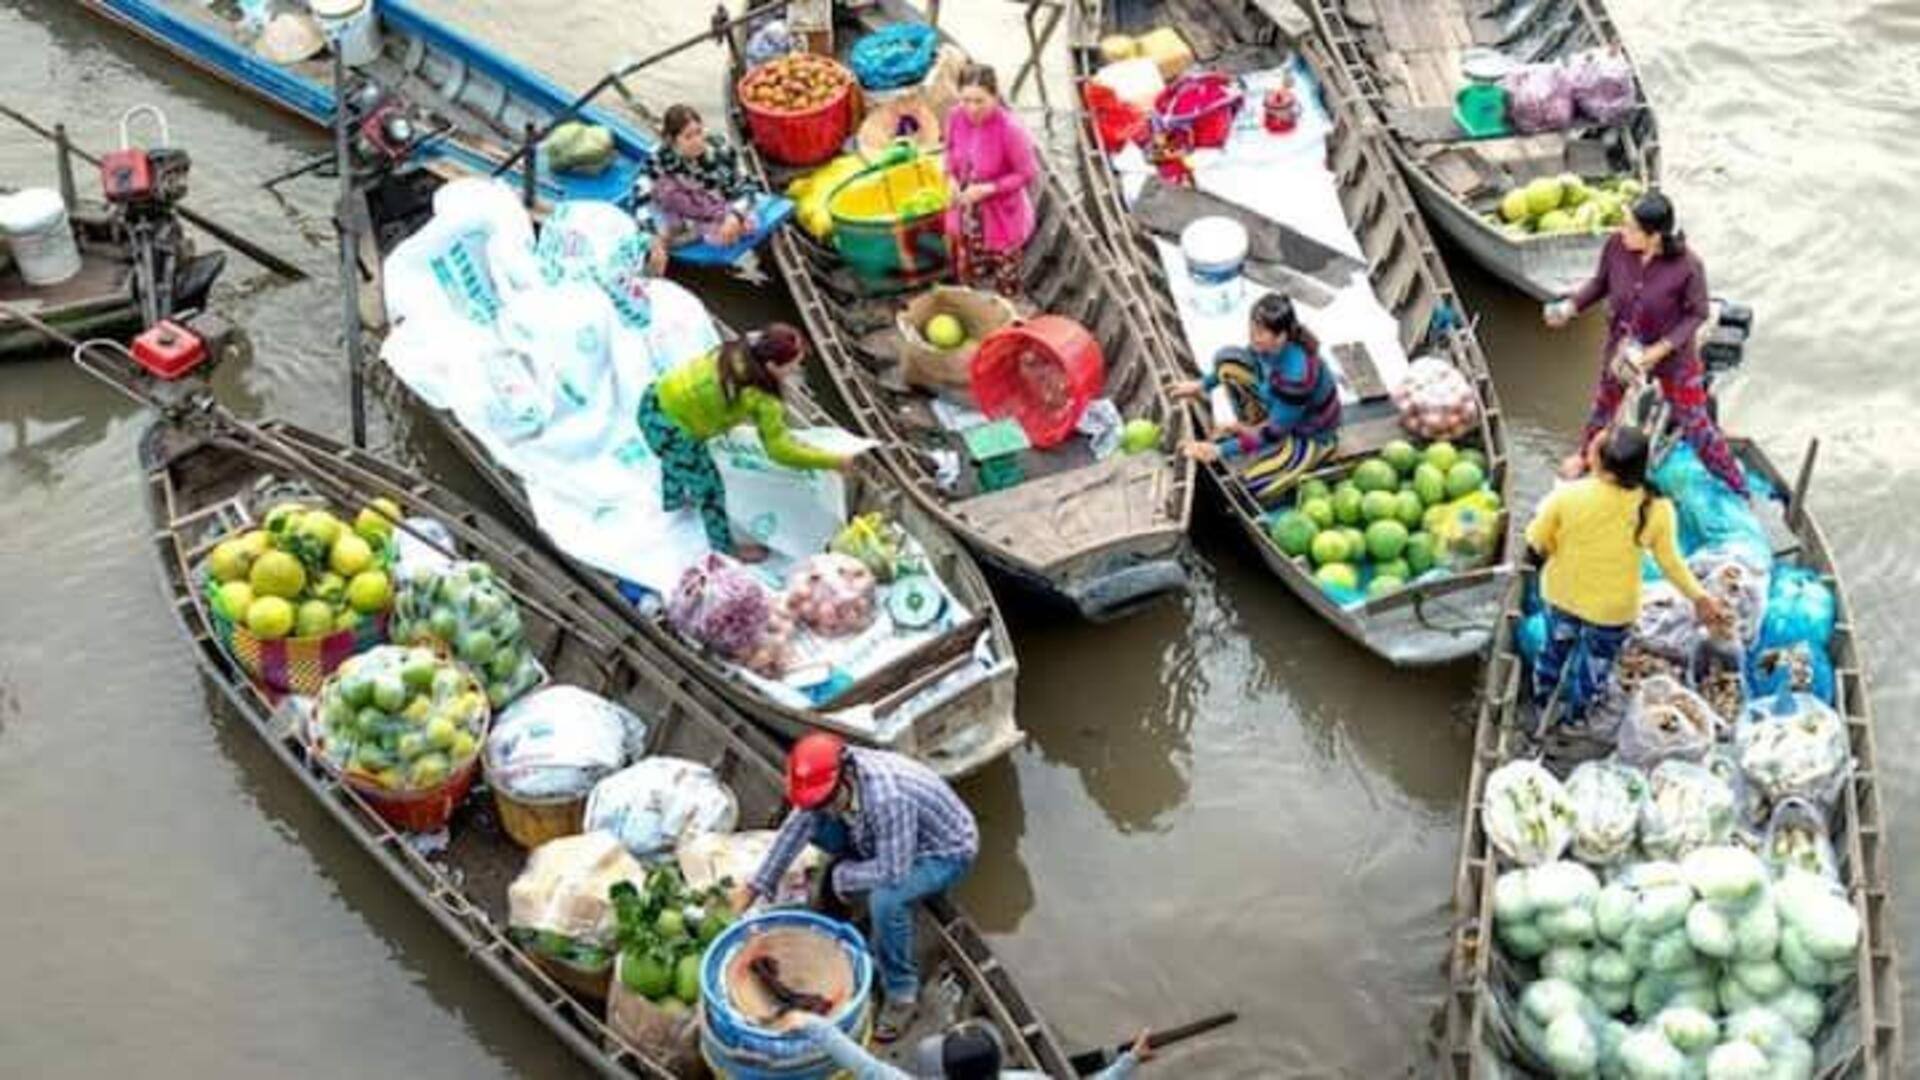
(1405, 58)
(904, 708)
(1863, 1035)
(1099, 535)
(1424, 623)
(471, 107)
(205, 475)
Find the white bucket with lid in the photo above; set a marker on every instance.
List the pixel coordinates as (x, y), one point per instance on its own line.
(1215, 249)
(35, 223)
(352, 26)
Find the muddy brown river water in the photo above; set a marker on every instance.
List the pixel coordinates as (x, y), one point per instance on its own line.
(1223, 804)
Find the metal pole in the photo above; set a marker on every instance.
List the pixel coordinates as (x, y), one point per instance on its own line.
(349, 254)
(64, 163)
(530, 176)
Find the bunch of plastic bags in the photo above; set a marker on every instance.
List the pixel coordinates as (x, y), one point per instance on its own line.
(559, 742)
(723, 605)
(1596, 85)
(1665, 721)
(655, 804)
(832, 595)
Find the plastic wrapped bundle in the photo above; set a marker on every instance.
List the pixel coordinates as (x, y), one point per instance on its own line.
(1800, 608)
(832, 595)
(1799, 838)
(1666, 721)
(1795, 745)
(655, 805)
(1689, 807)
(878, 542)
(466, 610)
(1607, 799)
(1733, 577)
(1539, 98)
(1528, 815)
(560, 741)
(722, 605)
(1601, 82)
(1666, 625)
(1435, 400)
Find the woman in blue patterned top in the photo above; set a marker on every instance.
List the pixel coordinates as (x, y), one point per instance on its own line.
(1286, 382)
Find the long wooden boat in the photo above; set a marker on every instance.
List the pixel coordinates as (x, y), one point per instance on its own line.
(1100, 535)
(1405, 57)
(955, 731)
(474, 105)
(1863, 1034)
(206, 474)
(1426, 622)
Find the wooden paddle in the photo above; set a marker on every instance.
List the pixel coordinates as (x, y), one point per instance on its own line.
(1088, 1062)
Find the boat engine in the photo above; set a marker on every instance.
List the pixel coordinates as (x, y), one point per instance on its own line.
(385, 132)
(141, 186)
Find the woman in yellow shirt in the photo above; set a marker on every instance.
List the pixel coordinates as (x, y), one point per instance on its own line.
(1590, 534)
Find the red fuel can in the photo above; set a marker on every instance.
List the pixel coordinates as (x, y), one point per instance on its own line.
(169, 350)
(126, 176)
(1282, 110)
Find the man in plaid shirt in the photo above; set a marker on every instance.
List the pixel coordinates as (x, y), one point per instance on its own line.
(901, 834)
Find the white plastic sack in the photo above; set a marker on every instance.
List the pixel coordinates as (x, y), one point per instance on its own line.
(795, 512)
(1529, 818)
(1688, 808)
(1736, 581)
(1795, 745)
(475, 252)
(1666, 720)
(656, 804)
(598, 244)
(1666, 625)
(560, 741)
(1607, 798)
(708, 859)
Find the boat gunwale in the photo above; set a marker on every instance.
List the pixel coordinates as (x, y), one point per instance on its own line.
(1132, 246)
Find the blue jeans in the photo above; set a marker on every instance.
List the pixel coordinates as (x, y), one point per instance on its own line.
(891, 908)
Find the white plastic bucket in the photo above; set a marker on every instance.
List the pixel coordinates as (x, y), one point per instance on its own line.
(35, 222)
(353, 27)
(1215, 249)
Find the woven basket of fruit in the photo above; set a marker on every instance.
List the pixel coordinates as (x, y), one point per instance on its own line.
(293, 599)
(800, 108)
(940, 330)
(403, 727)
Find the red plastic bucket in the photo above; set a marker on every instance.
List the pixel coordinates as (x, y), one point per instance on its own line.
(417, 811)
(805, 137)
(1199, 108)
(1042, 373)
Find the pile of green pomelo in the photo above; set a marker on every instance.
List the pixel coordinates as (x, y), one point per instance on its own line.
(1370, 533)
(304, 573)
(1552, 205)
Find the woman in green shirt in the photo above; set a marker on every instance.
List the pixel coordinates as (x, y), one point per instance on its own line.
(737, 383)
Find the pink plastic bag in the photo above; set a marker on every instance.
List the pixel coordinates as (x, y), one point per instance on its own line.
(1539, 98)
(832, 595)
(1602, 85)
(720, 604)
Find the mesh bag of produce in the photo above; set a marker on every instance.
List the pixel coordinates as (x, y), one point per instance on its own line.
(1435, 400)
(1689, 807)
(1539, 98)
(466, 610)
(1607, 798)
(1665, 721)
(1732, 576)
(1795, 745)
(720, 604)
(1666, 625)
(1601, 82)
(1799, 667)
(1528, 815)
(1800, 838)
(832, 595)
(400, 719)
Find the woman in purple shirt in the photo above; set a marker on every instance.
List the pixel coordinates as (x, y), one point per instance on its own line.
(1656, 293)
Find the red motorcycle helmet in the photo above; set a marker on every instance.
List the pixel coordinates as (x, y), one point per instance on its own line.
(813, 770)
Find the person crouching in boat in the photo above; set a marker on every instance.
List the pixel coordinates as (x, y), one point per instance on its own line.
(699, 190)
(970, 1050)
(1656, 293)
(1294, 387)
(1589, 533)
(991, 164)
(897, 833)
(708, 396)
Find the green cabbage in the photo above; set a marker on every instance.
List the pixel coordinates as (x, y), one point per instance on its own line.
(1760, 978)
(1567, 962)
(1648, 1055)
(1794, 1061)
(1806, 969)
(1611, 999)
(1728, 875)
(1558, 886)
(1613, 911)
(1670, 952)
(1708, 931)
(1511, 902)
(1662, 908)
(1568, 926)
(1760, 1026)
(1571, 1047)
(1691, 1031)
(1734, 996)
(1738, 1061)
(1756, 934)
(1802, 1009)
(1652, 992)
(1609, 967)
(1523, 940)
(1831, 929)
(1549, 999)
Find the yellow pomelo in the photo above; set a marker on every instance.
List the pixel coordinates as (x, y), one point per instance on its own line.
(350, 555)
(229, 561)
(277, 574)
(270, 618)
(369, 592)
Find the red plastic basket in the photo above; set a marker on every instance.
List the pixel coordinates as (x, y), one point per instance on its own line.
(802, 137)
(417, 811)
(1042, 373)
(1198, 109)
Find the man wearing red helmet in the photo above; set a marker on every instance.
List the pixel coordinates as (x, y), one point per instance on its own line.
(901, 834)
